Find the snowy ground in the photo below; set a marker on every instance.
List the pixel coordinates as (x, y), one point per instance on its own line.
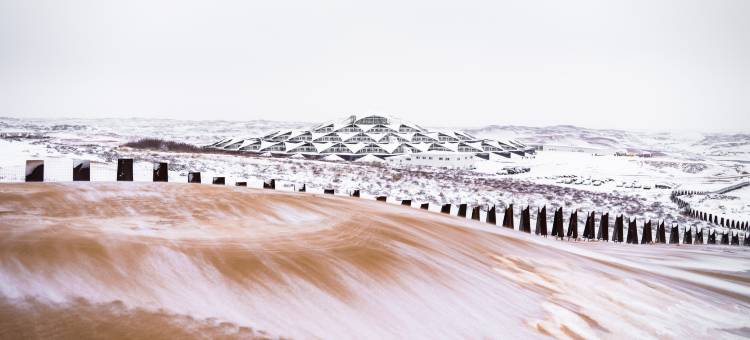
(734, 205)
(573, 180)
(165, 260)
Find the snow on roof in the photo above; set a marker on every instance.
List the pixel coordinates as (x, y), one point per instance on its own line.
(292, 145)
(369, 158)
(389, 147)
(322, 146)
(475, 145)
(297, 132)
(332, 157)
(453, 146)
(376, 136)
(249, 142)
(264, 144)
(423, 147)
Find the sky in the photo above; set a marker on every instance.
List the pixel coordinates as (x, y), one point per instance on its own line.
(656, 64)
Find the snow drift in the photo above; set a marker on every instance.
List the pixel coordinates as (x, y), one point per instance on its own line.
(164, 260)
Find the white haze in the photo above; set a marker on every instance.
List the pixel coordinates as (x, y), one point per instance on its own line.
(614, 64)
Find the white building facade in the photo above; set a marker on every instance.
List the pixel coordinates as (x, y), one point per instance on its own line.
(380, 136)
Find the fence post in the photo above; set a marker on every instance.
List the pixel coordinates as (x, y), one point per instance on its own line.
(646, 237)
(541, 222)
(406, 203)
(711, 236)
(219, 180)
(269, 184)
(34, 171)
(81, 170)
(618, 229)
(446, 208)
(525, 225)
(194, 177)
(508, 221)
(687, 237)
(125, 169)
(475, 213)
(462, 210)
(557, 224)
(491, 216)
(425, 206)
(573, 225)
(603, 233)
(632, 232)
(674, 235)
(160, 172)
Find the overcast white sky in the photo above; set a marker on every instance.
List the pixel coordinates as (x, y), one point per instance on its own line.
(621, 64)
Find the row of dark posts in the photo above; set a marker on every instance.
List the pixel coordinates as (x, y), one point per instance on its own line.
(35, 170)
(82, 172)
(703, 216)
(619, 234)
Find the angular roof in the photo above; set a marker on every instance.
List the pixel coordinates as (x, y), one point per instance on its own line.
(391, 141)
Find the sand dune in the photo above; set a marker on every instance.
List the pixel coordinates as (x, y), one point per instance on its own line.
(124, 260)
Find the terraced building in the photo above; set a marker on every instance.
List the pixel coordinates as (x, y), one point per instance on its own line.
(370, 138)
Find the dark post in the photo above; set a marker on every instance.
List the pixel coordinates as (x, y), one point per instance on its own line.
(557, 224)
(35, 171)
(446, 208)
(355, 193)
(219, 180)
(160, 172)
(646, 238)
(491, 216)
(698, 235)
(603, 233)
(462, 210)
(240, 184)
(735, 238)
(632, 232)
(525, 221)
(269, 184)
(541, 222)
(711, 236)
(381, 198)
(617, 233)
(406, 203)
(674, 235)
(82, 171)
(475, 213)
(194, 177)
(588, 230)
(304, 188)
(425, 206)
(661, 233)
(573, 225)
(508, 221)
(325, 191)
(687, 237)
(125, 169)
(725, 238)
